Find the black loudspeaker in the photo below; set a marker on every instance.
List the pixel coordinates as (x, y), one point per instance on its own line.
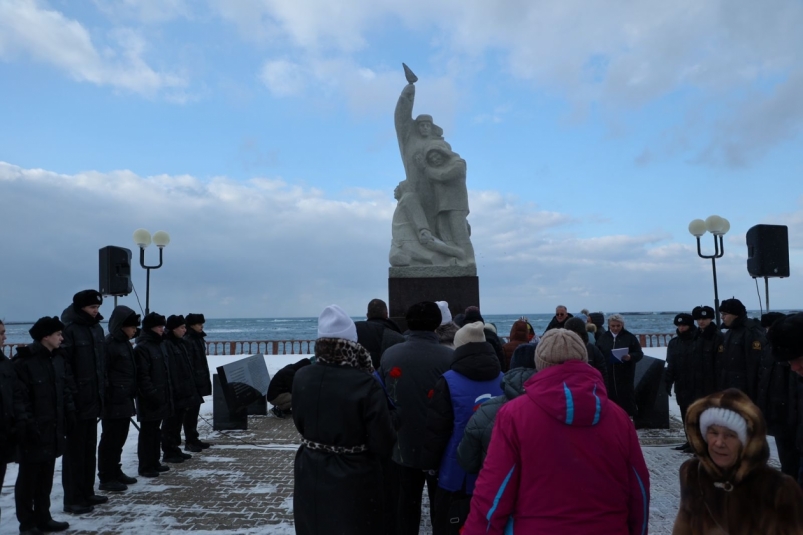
(768, 251)
(115, 271)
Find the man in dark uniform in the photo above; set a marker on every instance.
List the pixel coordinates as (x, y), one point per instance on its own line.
(47, 412)
(377, 332)
(681, 368)
(745, 346)
(200, 369)
(121, 388)
(10, 407)
(182, 388)
(708, 347)
(84, 353)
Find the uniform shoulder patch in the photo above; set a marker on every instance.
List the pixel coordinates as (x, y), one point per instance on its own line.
(756, 344)
(721, 348)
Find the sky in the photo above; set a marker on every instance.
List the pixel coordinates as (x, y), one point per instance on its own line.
(259, 134)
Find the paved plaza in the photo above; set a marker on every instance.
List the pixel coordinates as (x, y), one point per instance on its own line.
(244, 484)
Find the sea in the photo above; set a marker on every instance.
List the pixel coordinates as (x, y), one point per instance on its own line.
(236, 329)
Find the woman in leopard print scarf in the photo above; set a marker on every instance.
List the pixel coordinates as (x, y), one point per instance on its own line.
(341, 412)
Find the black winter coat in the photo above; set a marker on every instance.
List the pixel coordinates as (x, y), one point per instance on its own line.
(681, 368)
(621, 375)
(121, 368)
(200, 364)
(340, 493)
(11, 409)
(477, 437)
(554, 323)
(476, 361)
(777, 397)
(708, 346)
(524, 356)
(376, 335)
(597, 360)
(154, 401)
(282, 382)
(409, 371)
(492, 338)
(47, 403)
(745, 347)
(182, 374)
(84, 347)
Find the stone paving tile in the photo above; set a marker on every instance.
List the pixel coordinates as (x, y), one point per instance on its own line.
(244, 484)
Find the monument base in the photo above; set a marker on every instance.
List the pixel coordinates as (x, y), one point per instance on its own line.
(459, 292)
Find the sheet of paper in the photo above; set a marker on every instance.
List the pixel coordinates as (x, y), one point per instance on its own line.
(619, 353)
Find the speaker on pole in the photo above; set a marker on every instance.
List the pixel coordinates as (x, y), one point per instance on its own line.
(768, 251)
(115, 271)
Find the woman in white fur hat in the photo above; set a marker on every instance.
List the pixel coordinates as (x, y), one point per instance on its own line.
(342, 414)
(728, 488)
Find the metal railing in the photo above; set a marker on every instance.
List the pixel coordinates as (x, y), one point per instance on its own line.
(307, 347)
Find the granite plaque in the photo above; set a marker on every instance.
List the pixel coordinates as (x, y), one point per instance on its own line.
(222, 418)
(244, 381)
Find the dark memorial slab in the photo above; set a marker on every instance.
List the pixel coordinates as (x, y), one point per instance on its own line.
(652, 402)
(244, 382)
(222, 418)
(460, 292)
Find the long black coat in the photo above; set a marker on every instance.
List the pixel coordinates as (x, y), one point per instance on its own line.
(200, 365)
(708, 346)
(182, 374)
(681, 368)
(376, 335)
(154, 400)
(340, 493)
(47, 402)
(777, 397)
(84, 352)
(597, 360)
(121, 368)
(621, 375)
(11, 409)
(745, 347)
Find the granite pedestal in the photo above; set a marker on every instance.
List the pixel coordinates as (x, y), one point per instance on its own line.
(459, 292)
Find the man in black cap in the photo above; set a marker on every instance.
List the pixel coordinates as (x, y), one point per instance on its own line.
(744, 346)
(118, 407)
(153, 390)
(11, 399)
(708, 347)
(681, 368)
(778, 401)
(182, 388)
(378, 332)
(84, 352)
(47, 414)
(410, 371)
(203, 384)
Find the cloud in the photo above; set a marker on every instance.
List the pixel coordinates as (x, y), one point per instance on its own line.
(28, 28)
(266, 247)
(145, 11)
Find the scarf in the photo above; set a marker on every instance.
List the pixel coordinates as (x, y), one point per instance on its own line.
(342, 352)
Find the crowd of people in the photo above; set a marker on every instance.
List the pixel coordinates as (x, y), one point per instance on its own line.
(537, 435)
(56, 389)
(534, 435)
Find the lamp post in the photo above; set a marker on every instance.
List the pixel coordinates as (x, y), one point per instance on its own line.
(718, 226)
(143, 239)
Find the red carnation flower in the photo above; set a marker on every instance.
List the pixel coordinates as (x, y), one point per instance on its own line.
(431, 393)
(395, 372)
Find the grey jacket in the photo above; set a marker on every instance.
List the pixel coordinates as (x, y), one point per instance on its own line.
(410, 371)
(477, 436)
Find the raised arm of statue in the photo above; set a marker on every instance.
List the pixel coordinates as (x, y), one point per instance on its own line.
(404, 114)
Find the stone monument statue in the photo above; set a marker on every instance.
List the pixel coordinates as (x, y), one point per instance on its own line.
(430, 234)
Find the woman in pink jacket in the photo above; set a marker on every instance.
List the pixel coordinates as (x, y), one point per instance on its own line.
(563, 459)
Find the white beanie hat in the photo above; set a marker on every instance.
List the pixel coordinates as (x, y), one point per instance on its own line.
(446, 316)
(557, 346)
(335, 323)
(725, 418)
(470, 332)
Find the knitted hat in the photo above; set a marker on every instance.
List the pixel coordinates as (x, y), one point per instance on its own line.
(335, 323)
(45, 327)
(702, 313)
(557, 346)
(423, 316)
(733, 306)
(786, 337)
(195, 319)
(473, 314)
(131, 321)
(470, 332)
(446, 316)
(86, 298)
(725, 418)
(174, 322)
(771, 317)
(684, 319)
(153, 320)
